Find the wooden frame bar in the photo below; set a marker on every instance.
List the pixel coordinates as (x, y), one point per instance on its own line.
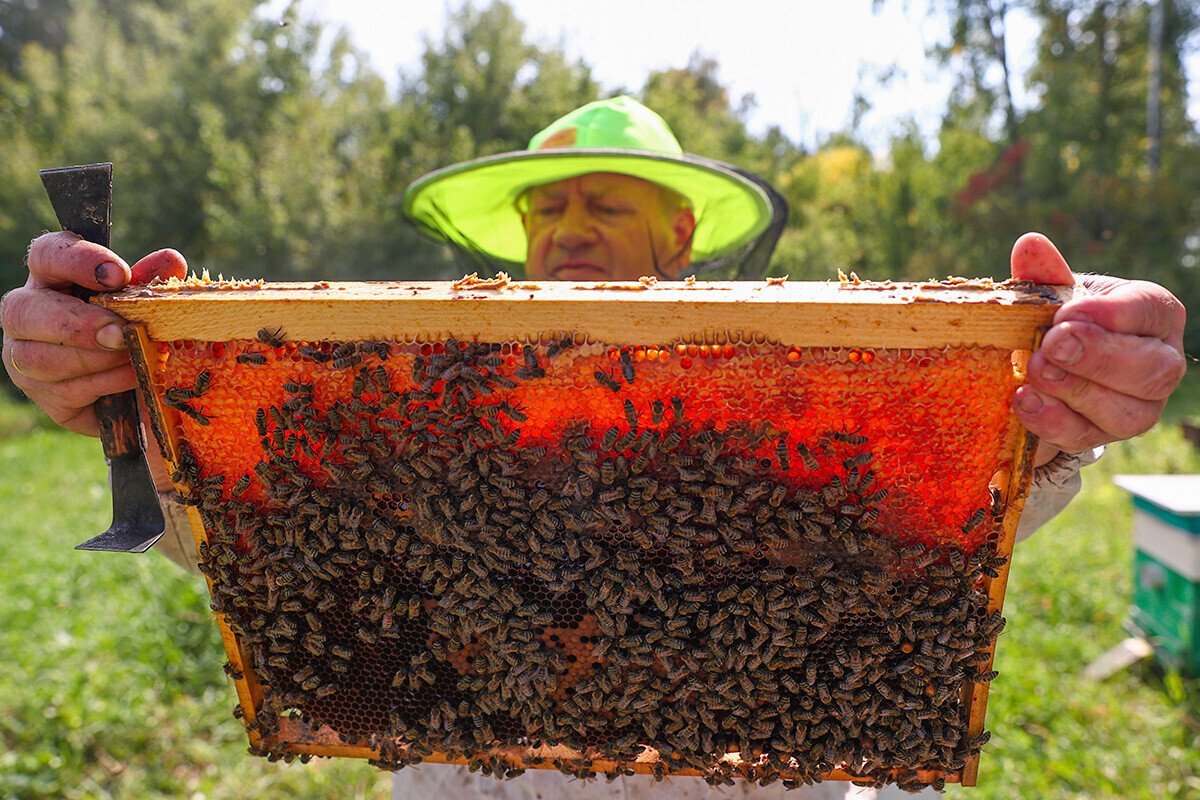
(801, 314)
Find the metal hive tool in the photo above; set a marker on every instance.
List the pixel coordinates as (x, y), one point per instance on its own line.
(758, 543)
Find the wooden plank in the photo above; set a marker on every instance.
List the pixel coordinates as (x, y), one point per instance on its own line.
(326, 743)
(1015, 493)
(248, 689)
(800, 314)
(142, 348)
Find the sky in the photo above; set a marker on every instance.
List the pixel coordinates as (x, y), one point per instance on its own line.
(801, 59)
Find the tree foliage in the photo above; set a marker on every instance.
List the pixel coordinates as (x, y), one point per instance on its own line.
(233, 139)
(265, 149)
(1082, 175)
(1073, 163)
(484, 88)
(979, 45)
(23, 22)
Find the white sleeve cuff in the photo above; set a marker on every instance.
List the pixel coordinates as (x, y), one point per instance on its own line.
(1054, 485)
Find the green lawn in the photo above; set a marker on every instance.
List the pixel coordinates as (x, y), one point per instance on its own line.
(113, 684)
(1056, 734)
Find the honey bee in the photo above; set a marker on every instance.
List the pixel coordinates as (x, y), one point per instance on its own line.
(610, 438)
(313, 354)
(639, 463)
(612, 495)
(849, 438)
(781, 454)
(418, 368)
(513, 412)
(344, 349)
(381, 349)
(860, 460)
(822, 567)
(956, 559)
(178, 398)
(240, 486)
(677, 407)
(271, 338)
(325, 690)
(990, 566)
(608, 472)
(557, 347)
(975, 521)
(631, 415)
(314, 644)
(201, 385)
(626, 441)
(606, 380)
(997, 501)
(875, 497)
(806, 456)
(195, 413)
(529, 353)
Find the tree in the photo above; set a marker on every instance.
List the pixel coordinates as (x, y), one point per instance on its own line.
(707, 122)
(979, 39)
(977, 52)
(1076, 168)
(102, 97)
(485, 89)
(258, 150)
(25, 22)
(1087, 175)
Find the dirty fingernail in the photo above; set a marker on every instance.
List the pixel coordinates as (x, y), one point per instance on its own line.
(1067, 350)
(111, 336)
(110, 274)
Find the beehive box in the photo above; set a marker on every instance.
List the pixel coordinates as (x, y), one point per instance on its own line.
(755, 530)
(1166, 568)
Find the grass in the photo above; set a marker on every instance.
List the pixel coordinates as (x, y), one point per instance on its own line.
(112, 685)
(1185, 402)
(113, 688)
(18, 417)
(1055, 733)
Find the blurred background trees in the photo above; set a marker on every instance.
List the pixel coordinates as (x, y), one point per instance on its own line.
(263, 149)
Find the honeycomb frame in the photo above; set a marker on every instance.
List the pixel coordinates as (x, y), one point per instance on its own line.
(641, 341)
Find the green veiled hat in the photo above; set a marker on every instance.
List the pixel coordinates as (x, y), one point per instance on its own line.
(474, 204)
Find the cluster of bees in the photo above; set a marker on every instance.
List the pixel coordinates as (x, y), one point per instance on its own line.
(407, 568)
